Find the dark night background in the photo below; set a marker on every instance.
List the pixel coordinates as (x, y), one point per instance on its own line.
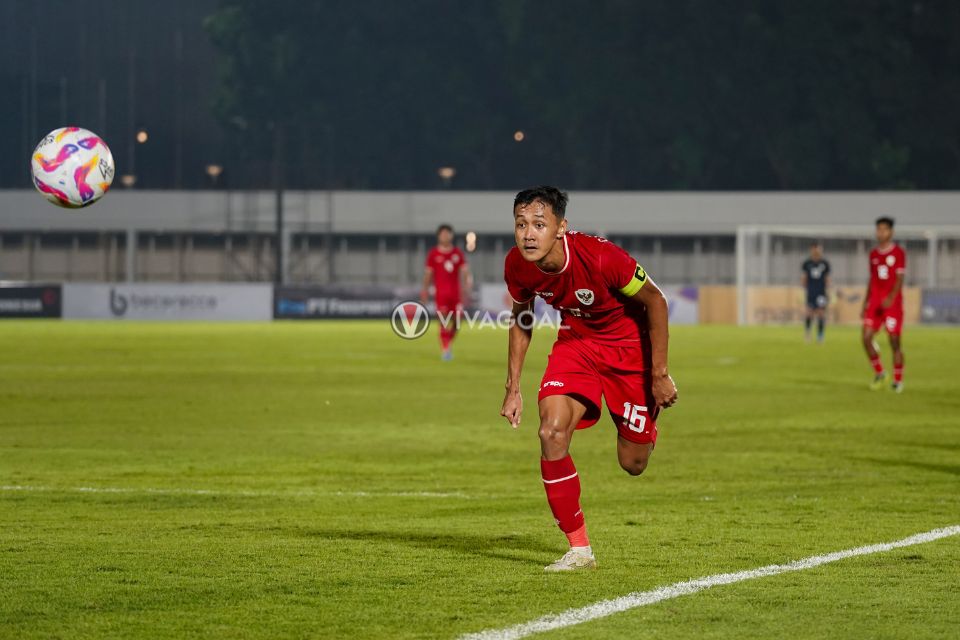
(659, 94)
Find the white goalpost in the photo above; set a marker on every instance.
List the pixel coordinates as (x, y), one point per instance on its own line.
(769, 256)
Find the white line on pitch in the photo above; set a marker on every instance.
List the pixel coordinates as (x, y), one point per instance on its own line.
(605, 608)
(238, 492)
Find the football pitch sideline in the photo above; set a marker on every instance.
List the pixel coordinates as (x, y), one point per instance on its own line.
(330, 480)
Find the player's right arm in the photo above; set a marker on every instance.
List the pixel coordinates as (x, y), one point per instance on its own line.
(866, 298)
(520, 335)
(425, 289)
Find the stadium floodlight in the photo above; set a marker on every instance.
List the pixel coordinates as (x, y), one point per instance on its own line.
(446, 175)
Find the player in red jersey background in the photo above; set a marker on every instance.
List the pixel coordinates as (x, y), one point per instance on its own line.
(447, 267)
(883, 303)
(611, 350)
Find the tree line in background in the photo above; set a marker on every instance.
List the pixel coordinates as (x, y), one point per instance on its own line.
(609, 94)
(613, 94)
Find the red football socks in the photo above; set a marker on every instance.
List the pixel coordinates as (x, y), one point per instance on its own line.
(877, 365)
(446, 337)
(898, 374)
(562, 484)
(579, 537)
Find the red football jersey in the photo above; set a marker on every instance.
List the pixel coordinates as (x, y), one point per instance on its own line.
(585, 290)
(884, 268)
(446, 267)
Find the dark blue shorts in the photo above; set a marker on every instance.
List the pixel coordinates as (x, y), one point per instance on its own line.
(816, 301)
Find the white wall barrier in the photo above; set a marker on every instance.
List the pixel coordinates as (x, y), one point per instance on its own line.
(186, 301)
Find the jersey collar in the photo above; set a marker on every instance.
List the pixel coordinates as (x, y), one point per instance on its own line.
(892, 246)
(566, 260)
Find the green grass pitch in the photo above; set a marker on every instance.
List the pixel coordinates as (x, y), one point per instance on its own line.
(329, 480)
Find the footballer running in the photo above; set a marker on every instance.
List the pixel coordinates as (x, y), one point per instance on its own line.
(446, 266)
(883, 304)
(612, 344)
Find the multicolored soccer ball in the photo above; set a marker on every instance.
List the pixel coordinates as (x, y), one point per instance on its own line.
(72, 167)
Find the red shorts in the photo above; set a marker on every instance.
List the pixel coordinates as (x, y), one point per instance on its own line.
(878, 318)
(589, 369)
(449, 311)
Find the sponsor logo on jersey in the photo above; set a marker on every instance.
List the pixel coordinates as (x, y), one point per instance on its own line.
(551, 383)
(544, 294)
(585, 296)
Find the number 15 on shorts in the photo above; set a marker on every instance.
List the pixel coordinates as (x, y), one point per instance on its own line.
(634, 417)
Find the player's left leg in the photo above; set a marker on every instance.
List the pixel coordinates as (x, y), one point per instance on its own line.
(894, 326)
(449, 317)
(807, 321)
(633, 456)
(629, 398)
(821, 314)
(871, 325)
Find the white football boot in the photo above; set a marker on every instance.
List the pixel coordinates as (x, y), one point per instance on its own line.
(572, 560)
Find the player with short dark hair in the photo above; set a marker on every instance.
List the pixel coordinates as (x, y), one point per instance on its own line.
(883, 303)
(816, 281)
(446, 266)
(612, 344)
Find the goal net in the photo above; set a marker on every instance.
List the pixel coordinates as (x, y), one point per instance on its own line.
(768, 270)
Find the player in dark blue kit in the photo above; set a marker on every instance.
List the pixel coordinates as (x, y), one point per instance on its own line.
(816, 281)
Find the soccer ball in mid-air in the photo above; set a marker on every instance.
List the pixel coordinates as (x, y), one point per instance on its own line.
(72, 167)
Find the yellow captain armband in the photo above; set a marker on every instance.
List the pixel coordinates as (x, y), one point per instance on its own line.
(636, 282)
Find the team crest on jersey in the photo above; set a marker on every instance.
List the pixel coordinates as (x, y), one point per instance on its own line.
(585, 296)
(890, 261)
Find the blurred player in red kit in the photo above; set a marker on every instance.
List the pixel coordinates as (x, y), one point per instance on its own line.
(883, 304)
(447, 267)
(612, 344)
